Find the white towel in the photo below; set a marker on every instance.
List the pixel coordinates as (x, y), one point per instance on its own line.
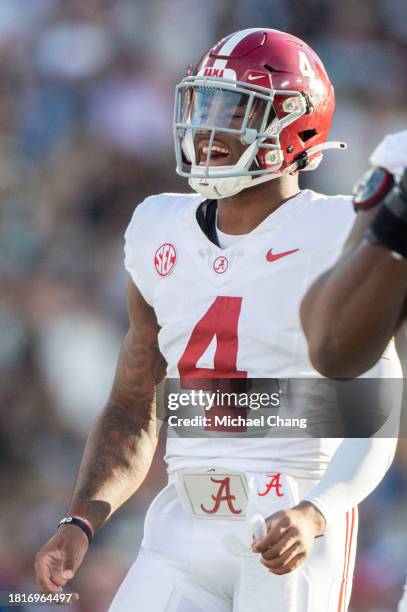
(391, 153)
(260, 590)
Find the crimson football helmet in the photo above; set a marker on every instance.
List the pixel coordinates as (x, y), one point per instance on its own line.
(260, 94)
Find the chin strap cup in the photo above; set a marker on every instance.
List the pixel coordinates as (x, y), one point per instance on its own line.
(218, 188)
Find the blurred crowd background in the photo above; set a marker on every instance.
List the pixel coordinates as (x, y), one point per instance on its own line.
(86, 97)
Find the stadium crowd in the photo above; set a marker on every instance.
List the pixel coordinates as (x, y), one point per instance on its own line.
(86, 95)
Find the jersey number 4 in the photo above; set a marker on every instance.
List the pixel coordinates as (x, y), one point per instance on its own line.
(220, 321)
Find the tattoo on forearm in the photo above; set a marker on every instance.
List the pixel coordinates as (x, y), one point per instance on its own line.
(120, 445)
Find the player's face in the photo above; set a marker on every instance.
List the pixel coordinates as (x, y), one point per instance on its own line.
(214, 108)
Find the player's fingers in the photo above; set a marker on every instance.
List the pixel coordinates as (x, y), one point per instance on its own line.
(57, 578)
(288, 540)
(277, 526)
(70, 563)
(291, 565)
(272, 538)
(47, 585)
(60, 574)
(60, 568)
(43, 574)
(283, 560)
(65, 569)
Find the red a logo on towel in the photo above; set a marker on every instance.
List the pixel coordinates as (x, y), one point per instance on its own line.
(273, 483)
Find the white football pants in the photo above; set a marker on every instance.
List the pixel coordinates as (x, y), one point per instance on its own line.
(183, 565)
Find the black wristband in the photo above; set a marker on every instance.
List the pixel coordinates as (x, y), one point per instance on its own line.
(372, 188)
(73, 520)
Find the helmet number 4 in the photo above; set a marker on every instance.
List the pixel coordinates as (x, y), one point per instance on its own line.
(305, 66)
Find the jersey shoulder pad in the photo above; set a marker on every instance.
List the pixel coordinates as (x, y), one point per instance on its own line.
(151, 220)
(332, 207)
(156, 207)
(330, 218)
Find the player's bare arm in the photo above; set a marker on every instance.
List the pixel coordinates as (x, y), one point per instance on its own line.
(351, 312)
(119, 449)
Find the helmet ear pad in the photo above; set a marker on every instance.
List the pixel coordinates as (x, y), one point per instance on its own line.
(304, 133)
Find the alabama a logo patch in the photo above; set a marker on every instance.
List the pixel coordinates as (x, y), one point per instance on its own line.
(220, 265)
(165, 258)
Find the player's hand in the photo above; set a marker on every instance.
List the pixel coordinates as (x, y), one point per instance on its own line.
(290, 538)
(57, 562)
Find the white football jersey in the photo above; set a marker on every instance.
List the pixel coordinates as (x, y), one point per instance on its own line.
(234, 312)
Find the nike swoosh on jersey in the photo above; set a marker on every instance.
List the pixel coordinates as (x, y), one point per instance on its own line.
(270, 256)
(253, 77)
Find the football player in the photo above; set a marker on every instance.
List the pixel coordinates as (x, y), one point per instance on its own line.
(216, 280)
(351, 312)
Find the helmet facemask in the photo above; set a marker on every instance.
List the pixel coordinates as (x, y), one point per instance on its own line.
(212, 113)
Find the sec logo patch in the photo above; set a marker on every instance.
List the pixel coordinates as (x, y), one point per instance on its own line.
(165, 259)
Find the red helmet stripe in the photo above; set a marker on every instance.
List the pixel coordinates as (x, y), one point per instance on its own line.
(230, 45)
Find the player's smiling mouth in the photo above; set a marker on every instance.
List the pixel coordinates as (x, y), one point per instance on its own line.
(220, 153)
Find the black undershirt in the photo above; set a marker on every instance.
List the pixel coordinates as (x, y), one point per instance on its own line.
(206, 217)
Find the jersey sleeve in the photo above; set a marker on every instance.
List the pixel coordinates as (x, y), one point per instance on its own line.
(135, 253)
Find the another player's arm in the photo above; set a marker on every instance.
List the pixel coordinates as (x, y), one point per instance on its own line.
(119, 448)
(351, 312)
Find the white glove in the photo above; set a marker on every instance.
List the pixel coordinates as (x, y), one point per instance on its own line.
(391, 154)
